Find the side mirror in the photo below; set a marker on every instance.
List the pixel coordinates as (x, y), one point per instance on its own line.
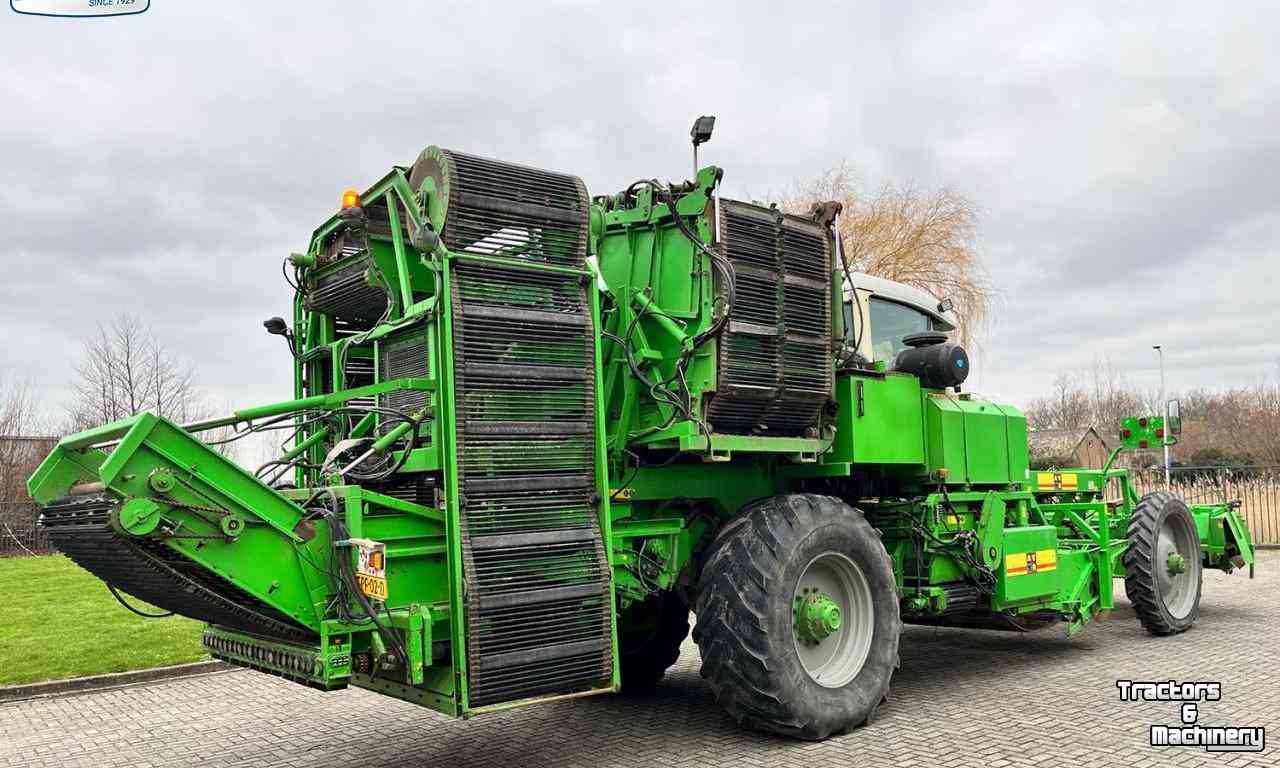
(276, 326)
(1173, 417)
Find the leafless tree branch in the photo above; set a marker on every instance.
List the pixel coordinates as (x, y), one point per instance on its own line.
(925, 239)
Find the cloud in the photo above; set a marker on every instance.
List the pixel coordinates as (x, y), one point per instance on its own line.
(165, 164)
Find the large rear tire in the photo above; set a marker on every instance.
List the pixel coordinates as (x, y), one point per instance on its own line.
(649, 638)
(771, 665)
(1162, 565)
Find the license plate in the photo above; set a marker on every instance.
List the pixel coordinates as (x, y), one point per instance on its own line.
(372, 586)
(371, 568)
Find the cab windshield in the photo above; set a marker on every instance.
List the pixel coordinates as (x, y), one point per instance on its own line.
(890, 322)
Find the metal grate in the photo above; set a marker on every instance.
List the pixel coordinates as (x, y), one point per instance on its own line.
(509, 211)
(349, 292)
(344, 244)
(417, 487)
(358, 371)
(378, 220)
(538, 610)
(774, 364)
(538, 581)
(404, 355)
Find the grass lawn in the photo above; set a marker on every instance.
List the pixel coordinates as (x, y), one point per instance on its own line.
(57, 621)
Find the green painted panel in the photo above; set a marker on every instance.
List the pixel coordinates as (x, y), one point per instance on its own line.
(1075, 567)
(944, 436)
(1028, 565)
(880, 420)
(986, 442)
(975, 441)
(1016, 428)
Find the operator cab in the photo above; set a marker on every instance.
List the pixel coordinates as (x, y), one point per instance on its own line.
(889, 312)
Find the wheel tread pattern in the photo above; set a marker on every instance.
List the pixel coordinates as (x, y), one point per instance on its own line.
(1139, 567)
(644, 667)
(732, 631)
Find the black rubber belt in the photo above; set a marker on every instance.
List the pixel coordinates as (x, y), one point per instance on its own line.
(146, 569)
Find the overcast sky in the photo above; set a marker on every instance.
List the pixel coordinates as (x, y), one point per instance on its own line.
(1124, 158)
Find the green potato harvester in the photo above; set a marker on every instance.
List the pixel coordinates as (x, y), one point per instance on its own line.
(534, 430)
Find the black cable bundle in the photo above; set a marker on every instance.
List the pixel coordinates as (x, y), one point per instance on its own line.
(682, 401)
(346, 586)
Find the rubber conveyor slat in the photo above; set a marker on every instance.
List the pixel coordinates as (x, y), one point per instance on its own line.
(537, 599)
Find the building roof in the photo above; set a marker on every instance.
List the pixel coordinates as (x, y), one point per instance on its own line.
(1061, 442)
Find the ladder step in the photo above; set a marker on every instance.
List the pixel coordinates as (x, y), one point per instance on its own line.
(533, 539)
(538, 596)
(545, 653)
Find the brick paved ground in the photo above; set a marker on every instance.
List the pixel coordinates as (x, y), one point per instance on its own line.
(961, 698)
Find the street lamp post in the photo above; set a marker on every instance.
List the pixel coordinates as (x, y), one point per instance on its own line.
(1164, 413)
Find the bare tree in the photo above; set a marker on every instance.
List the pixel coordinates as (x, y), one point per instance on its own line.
(1112, 397)
(125, 371)
(21, 447)
(925, 239)
(1265, 427)
(1240, 424)
(1100, 398)
(1066, 408)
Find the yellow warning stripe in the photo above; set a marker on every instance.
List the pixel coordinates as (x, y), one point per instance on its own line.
(1024, 563)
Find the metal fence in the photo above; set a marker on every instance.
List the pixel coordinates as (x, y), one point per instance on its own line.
(1257, 488)
(19, 533)
(19, 455)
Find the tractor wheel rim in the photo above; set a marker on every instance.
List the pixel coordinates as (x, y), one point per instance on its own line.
(836, 659)
(1177, 586)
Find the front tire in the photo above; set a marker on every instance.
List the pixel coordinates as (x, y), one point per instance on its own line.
(1163, 571)
(649, 639)
(773, 666)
